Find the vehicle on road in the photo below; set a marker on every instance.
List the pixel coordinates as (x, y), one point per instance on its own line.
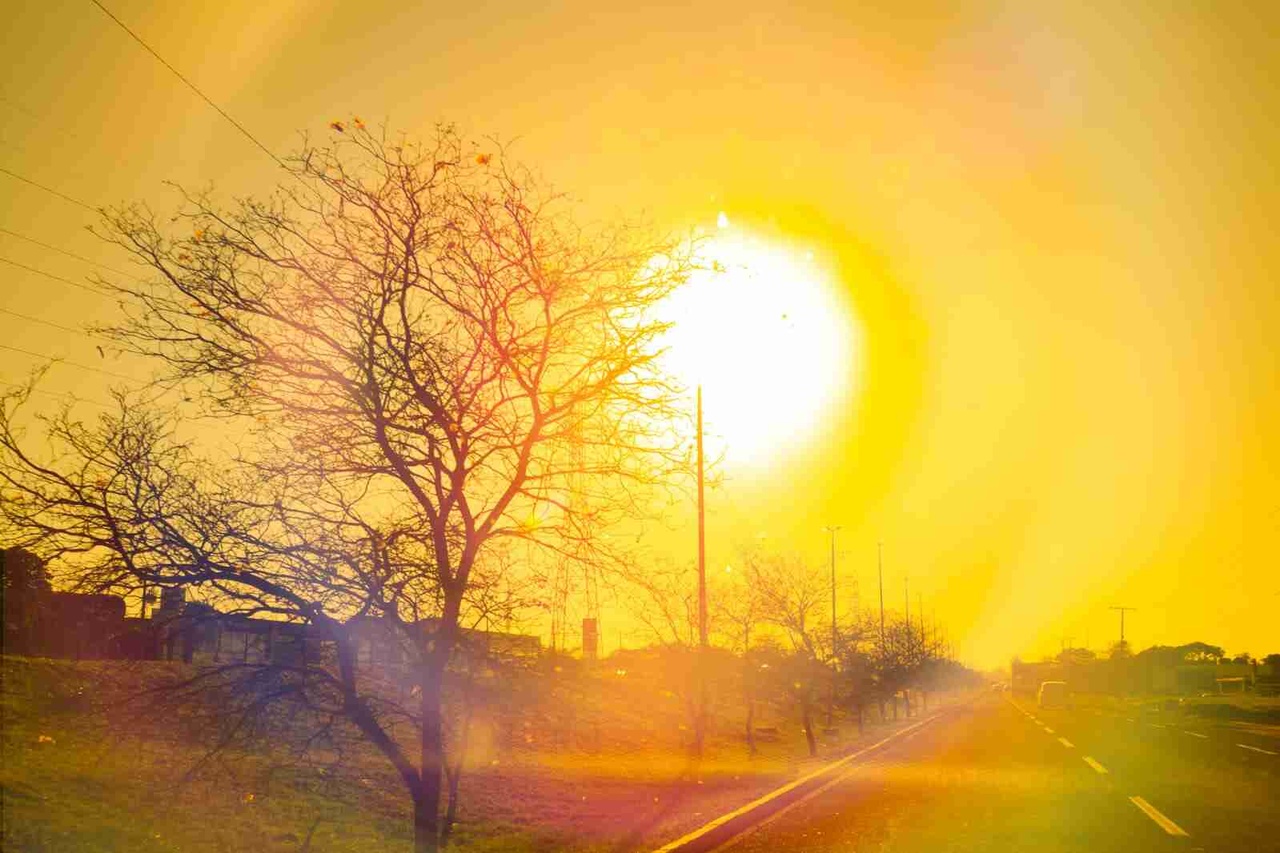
(1053, 694)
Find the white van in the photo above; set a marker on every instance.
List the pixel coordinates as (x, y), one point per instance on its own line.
(1053, 694)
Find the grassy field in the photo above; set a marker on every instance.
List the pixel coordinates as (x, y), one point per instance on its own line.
(80, 775)
(1240, 708)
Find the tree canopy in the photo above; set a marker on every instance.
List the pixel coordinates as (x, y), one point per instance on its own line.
(420, 358)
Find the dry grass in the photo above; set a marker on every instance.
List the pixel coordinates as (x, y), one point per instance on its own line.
(611, 775)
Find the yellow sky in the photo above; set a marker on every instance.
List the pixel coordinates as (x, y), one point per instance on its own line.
(1055, 224)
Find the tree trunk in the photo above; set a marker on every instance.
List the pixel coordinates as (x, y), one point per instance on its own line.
(700, 718)
(806, 712)
(425, 822)
(426, 802)
(451, 810)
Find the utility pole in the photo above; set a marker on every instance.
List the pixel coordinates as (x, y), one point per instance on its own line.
(920, 615)
(883, 656)
(880, 569)
(908, 639)
(701, 723)
(924, 652)
(702, 539)
(1122, 610)
(832, 528)
(906, 610)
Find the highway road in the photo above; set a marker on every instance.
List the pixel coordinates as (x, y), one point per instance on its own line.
(1000, 774)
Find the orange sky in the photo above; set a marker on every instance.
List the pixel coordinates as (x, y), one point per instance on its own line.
(1052, 222)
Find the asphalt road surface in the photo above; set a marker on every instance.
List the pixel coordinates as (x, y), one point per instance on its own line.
(1001, 774)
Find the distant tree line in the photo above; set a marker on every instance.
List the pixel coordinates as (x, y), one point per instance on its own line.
(771, 620)
(1190, 668)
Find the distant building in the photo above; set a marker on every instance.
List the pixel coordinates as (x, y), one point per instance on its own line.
(82, 627)
(24, 588)
(42, 623)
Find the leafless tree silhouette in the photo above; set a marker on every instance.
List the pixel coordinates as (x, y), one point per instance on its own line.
(422, 359)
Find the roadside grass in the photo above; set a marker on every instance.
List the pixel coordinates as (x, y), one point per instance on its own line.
(72, 782)
(1231, 710)
(76, 777)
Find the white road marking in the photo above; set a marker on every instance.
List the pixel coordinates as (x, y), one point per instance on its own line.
(1256, 749)
(1158, 725)
(1095, 765)
(774, 794)
(1195, 734)
(1068, 744)
(1128, 719)
(1049, 730)
(1160, 819)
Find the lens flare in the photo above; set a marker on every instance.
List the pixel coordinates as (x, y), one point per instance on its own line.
(763, 328)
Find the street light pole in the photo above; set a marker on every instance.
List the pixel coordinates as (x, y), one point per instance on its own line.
(702, 539)
(907, 639)
(832, 528)
(880, 569)
(883, 651)
(700, 724)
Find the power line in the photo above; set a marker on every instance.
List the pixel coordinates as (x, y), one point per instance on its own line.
(54, 325)
(74, 364)
(69, 254)
(190, 85)
(50, 190)
(78, 284)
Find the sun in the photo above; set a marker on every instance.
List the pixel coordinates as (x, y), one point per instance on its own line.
(763, 327)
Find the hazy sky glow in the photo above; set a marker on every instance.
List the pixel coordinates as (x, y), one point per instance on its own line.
(1050, 227)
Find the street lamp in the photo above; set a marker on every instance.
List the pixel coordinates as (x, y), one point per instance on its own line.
(702, 539)
(700, 724)
(832, 529)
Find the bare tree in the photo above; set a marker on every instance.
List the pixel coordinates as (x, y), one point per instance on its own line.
(664, 600)
(739, 610)
(793, 598)
(422, 357)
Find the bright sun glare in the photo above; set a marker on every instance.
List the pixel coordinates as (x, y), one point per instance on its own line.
(762, 327)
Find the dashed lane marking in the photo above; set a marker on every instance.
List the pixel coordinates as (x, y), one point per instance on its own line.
(1068, 744)
(1161, 820)
(1095, 765)
(1195, 734)
(1049, 730)
(1257, 749)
